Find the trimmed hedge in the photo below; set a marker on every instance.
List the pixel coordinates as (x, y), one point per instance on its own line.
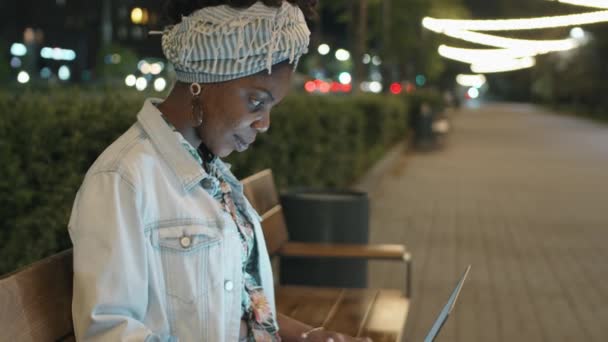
(48, 140)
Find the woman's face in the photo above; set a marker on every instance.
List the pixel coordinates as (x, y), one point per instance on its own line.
(234, 112)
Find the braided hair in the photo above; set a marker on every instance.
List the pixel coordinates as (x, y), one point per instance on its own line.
(175, 9)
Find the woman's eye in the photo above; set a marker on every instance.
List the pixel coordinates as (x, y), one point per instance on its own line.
(256, 103)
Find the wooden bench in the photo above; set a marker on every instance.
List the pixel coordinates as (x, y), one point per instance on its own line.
(376, 313)
(35, 302)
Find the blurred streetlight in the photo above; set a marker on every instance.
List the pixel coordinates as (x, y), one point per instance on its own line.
(141, 84)
(15, 62)
(420, 80)
(310, 86)
(473, 93)
(323, 49)
(156, 68)
(23, 77)
(345, 78)
(374, 86)
(45, 73)
(577, 33)
(144, 67)
(139, 16)
(396, 88)
(324, 87)
(130, 80)
(160, 84)
(18, 49)
(366, 58)
(64, 73)
(29, 36)
(342, 55)
(57, 54)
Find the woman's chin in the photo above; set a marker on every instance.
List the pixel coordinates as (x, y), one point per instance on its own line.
(225, 152)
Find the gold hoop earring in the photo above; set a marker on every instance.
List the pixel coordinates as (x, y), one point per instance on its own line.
(197, 110)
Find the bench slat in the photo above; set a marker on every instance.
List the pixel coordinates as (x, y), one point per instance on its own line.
(353, 311)
(308, 304)
(386, 320)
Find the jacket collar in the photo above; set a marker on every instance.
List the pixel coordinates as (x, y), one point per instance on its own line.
(186, 169)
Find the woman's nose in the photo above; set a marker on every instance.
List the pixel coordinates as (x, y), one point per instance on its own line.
(262, 124)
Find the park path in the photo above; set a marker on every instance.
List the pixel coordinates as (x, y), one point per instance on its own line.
(519, 193)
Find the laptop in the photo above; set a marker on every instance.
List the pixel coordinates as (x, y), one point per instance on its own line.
(447, 309)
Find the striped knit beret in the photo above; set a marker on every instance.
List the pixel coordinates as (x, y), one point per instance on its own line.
(221, 43)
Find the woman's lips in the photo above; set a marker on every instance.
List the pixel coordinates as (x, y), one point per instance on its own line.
(241, 144)
(245, 141)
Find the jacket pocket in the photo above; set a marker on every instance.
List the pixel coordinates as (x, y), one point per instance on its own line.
(186, 253)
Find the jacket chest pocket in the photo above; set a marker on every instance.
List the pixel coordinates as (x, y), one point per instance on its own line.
(188, 254)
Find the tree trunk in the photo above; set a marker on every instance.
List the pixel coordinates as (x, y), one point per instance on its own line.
(106, 22)
(387, 60)
(360, 46)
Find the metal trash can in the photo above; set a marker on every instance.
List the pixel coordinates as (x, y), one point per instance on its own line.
(422, 125)
(330, 216)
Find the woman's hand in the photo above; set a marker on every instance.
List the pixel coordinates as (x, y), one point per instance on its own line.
(331, 336)
(296, 331)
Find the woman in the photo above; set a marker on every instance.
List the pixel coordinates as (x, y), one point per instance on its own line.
(166, 246)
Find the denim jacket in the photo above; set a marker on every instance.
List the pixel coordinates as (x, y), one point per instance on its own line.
(155, 257)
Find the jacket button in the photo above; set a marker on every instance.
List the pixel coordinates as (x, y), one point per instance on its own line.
(207, 183)
(228, 285)
(185, 241)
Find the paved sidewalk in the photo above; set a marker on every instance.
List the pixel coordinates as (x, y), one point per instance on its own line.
(520, 194)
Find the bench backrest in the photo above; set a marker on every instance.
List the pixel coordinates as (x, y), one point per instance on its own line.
(262, 194)
(36, 302)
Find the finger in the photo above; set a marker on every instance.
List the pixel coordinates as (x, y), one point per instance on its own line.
(337, 338)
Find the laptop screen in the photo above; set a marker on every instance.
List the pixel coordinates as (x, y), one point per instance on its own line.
(447, 309)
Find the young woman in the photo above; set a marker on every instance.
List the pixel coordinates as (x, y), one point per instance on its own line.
(166, 246)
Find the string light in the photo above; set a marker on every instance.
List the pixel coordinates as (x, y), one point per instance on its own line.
(511, 53)
(477, 56)
(603, 4)
(476, 81)
(440, 25)
(542, 46)
(503, 66)
(490, 60)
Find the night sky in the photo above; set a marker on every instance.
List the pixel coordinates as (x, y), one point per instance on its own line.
(484, 8)
(487, 9)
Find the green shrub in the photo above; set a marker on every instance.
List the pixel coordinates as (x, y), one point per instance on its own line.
(47, 143)
(48, 140)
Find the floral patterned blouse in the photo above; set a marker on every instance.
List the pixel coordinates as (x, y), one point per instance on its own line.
(255, 308)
